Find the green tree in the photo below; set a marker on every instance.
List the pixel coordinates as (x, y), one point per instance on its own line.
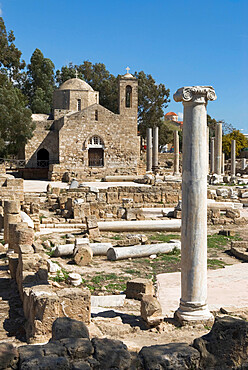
(153, 99)
(227, 128)
(11, 64)
(16, 126)
(66, 73)
(241, 142)
(40, 83)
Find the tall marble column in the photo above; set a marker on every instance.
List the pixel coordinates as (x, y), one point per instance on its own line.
(207, 150)
(155, 149)
(176, 153)
(233, 158)
(243, 164)
(212, 155)
(148, 149)
(218, 148)
(223, 164)
(193, 302)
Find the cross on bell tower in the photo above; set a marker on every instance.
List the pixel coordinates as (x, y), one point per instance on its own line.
(127, 69)
(76, 73)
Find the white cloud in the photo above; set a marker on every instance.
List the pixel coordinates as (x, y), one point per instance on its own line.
(180, 116)
(1, 12)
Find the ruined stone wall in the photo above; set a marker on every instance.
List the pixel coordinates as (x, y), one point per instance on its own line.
(112, 202)
(11, 189)
(43, 137)
(42, 302)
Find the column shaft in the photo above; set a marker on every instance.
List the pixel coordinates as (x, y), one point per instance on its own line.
(207, 139)
(223, 164)
(212, 155)
(155, 149)
(193, 302)
(148, 149)
(233, 158)
(218, 146)
(176, 153)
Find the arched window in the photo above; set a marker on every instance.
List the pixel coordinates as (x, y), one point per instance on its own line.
(128, 96)
(43, 158)
(79, 104)
(96, 152)
(95, 141)
(96, 115)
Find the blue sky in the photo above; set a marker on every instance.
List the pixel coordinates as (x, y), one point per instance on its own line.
(180, 43)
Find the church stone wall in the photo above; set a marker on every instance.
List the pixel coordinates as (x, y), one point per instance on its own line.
(67, 140)
(43, 137)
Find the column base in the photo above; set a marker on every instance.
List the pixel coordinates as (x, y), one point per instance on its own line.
(176, 174)
(193, 311)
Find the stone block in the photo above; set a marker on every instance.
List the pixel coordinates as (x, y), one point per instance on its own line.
(9, 356)
(83, 256)
(136, 288)
(170, 356)
(10, 218)
(91, 197)
(111, 352)
(25, 249)
(41, 308)
(91, 222)
(225, 346)
(112, 197)
(13, 263)
(11, 206)
(75, 303)
(66, 327)
(151, 310)
(94, 233)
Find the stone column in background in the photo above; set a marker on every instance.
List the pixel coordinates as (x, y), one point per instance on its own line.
(176, 153)
(223, 164)
(155, 149)
(218, 148)
(233, 158)
(243, 164)
(212, 155)
(207, 150)
(193, 302)
(148, 149)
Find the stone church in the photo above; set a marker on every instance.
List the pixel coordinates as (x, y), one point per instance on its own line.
(84, 138)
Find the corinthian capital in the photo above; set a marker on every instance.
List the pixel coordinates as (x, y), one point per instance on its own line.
(196, 94)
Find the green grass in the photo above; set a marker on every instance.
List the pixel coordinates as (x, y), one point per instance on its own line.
(61, 276)
(116, 237)
(132, 271)
(164, 238)
(215, 263)
(220, 241)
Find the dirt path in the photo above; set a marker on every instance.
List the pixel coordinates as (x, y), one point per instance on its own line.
(11, 312)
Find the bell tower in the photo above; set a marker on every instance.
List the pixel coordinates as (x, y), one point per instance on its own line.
(128, 95)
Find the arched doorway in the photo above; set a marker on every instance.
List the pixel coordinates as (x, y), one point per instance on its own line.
(95, 152)
(43, 158)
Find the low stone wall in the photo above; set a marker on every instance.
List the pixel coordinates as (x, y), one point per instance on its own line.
(112, 202)
(59, 172)
(224, 347)
(42, 302)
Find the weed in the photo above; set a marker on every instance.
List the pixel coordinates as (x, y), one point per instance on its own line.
(132, 271)
(215, 263)
(220, 241)
(116, 237)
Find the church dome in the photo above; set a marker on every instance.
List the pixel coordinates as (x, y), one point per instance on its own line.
(75, 84)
